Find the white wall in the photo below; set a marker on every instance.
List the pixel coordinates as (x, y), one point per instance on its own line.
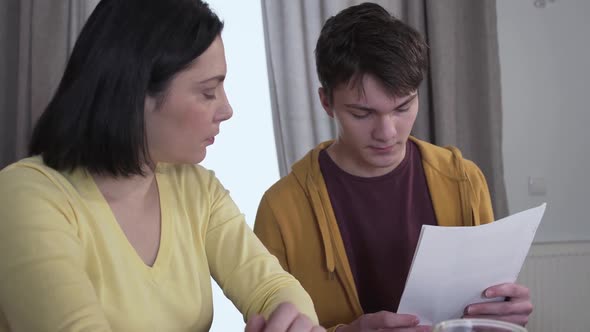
(545, 67)
(244, 154)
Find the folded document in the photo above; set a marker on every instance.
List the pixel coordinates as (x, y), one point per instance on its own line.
(452, 266)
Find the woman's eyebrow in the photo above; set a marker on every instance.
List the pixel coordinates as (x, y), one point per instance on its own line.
(219, 78)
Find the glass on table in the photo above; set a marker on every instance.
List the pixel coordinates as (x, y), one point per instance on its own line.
(477, 325)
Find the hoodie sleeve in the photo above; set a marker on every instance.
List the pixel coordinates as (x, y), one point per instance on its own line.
(267, 230)
(482, 201)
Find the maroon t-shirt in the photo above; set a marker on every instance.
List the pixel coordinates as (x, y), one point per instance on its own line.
(380, 220)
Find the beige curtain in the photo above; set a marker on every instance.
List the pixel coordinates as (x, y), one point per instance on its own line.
(460, 101)
(36, 37)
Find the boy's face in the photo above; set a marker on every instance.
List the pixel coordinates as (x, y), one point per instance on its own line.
(373, 127)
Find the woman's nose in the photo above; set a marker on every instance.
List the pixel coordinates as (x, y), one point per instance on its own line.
(226, 111)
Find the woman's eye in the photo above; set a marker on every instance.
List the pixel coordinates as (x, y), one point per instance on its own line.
(209, 95)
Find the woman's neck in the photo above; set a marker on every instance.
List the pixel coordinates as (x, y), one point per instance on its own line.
(134, 187)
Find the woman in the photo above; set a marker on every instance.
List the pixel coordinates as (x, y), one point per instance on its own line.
(110, 226)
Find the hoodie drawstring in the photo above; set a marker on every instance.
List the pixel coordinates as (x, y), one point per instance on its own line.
(324, 231)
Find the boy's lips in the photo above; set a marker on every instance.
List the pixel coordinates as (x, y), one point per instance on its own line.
(388, 148)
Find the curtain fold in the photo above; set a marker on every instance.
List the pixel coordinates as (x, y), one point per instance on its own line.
(465, 92)
(36, 37)
(460, 101)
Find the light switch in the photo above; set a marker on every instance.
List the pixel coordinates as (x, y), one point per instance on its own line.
(537, 186)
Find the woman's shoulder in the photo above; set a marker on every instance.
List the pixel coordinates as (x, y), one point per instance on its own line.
(30, 162)
(29, 187)
(30, 171)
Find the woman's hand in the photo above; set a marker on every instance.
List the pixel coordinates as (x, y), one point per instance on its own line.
(385, 321)
(285, 318)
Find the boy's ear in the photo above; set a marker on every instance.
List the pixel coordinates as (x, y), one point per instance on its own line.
(325, 101)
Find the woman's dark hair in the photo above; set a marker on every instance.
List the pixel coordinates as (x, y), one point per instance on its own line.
(127, 50)
(366, 39)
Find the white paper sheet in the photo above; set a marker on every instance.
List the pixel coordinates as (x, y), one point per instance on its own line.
(452, 266)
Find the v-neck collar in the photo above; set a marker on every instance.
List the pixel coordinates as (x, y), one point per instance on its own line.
(103, 213)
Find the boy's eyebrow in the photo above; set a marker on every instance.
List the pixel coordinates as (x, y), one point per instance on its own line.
(360, 107)
(412, 97)
(370, 109)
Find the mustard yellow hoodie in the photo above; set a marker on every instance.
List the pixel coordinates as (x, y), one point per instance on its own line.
(296, 222)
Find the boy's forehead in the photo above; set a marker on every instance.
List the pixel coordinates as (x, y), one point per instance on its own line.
(359, 86)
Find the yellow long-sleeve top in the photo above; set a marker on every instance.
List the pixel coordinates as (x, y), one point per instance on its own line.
(66, 265)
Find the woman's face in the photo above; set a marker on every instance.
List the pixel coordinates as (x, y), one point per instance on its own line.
(189, 115)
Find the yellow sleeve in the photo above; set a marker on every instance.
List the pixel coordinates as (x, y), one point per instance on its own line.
(43, 284)
(246, 272)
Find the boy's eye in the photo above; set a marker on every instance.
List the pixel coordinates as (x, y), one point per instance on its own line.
(361, 115)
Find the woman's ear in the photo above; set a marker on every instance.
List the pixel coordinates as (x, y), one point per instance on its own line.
(150, 104)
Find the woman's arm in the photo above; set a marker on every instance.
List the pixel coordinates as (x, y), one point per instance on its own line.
(248, 274)
(43, 284)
